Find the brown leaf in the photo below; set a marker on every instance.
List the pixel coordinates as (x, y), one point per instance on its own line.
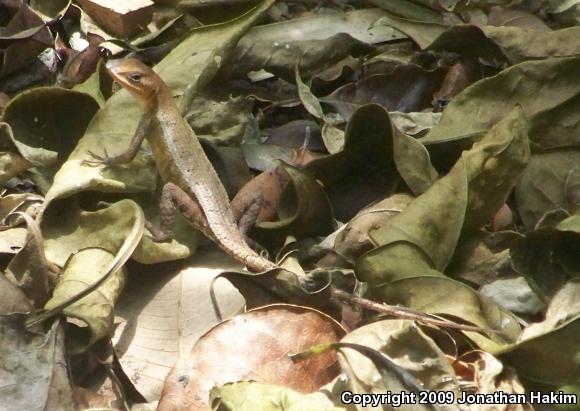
(4, 99)
(80, 66)
(408, 88)
(459, 76)
(255, 346)
(164, 310)
(12, 299)
(489, 376)
(281, 57)
(293, 134)
(268, 185)
(121, 19)
(12, 161)
(23, 36)
(102, 393)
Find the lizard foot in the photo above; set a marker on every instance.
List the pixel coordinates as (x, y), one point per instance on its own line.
(257, 247)
(96, 160)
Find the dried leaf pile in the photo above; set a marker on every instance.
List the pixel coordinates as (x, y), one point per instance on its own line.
(419, 162)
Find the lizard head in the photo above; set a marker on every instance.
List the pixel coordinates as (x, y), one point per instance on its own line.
(136, 77)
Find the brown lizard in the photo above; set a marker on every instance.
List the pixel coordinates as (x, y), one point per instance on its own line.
(190, 181)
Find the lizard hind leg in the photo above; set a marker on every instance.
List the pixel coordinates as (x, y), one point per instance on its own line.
(174, 198)
(246, 210)
(247, 214)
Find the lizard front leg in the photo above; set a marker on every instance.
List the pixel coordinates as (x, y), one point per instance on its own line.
(174, 198)
(131, 152)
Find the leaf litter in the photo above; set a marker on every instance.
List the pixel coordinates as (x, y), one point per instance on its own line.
(417, 163)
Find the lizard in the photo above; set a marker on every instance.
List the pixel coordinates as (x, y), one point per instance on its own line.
(191, 184)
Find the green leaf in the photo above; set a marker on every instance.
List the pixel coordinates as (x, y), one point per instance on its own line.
(416, 245)
(304, 210)
(253, 396)
(417, 239)
(548, 351)
(520, 44)
(409, 10)
(102, 240)
(548, 184)
(373, 145)
(41, 121)
(549, 256)
(441, 295)
(50, 9)
(494, 165)
(546, 90)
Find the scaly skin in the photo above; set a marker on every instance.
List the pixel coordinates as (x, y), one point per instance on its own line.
(181, 160)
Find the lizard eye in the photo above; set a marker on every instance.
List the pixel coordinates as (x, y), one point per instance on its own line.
(135, 77)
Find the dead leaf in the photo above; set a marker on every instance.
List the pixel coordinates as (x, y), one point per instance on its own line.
(81, 65)
(23, 36)
(547, 257)
(547, 185)
(407, 88)
(263, 339)
(250, 396)
(12, 299)
(354, 240)
(90, 295)
(281, 57)
(33, 372)
(406, 345)
(113, 126)
(554, 340)
(45, 137)
(268, 186)
(472, 112)
(378, 152)
(120, 19)
(490, 377)
(50, 10)
(29, 269)
(303, 210)
(161, 315)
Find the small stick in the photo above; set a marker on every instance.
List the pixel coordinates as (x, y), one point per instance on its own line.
(403, 312)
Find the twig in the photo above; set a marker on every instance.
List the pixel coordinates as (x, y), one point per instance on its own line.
(403, 312)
